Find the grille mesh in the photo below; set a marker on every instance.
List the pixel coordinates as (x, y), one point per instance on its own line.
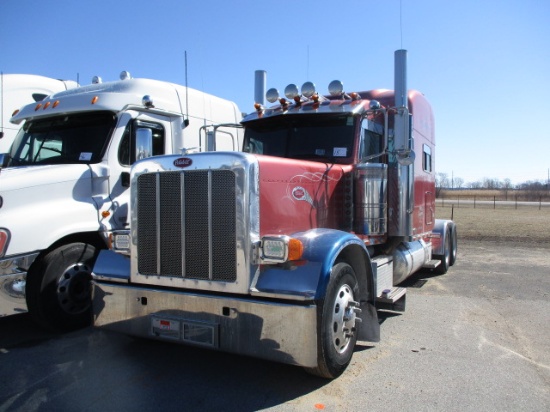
(187, 225)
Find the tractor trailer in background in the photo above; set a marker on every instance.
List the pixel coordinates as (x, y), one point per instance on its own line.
(287, 250)
(17, 90)
(64, 183)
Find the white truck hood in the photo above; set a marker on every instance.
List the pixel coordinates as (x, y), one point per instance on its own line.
(41, 204)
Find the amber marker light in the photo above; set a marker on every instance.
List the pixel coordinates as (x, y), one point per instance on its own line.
(55, 104)
(38, 106)
(105, 213)
(95, 99)
(15, 112)
(295, 249)
(46, 105)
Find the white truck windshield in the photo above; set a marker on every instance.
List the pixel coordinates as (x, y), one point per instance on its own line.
(68, 139)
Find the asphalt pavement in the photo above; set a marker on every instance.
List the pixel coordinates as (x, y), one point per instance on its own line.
(475, 339)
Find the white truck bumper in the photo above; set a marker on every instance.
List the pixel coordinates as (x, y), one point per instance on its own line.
(282, 332)
(13, 278)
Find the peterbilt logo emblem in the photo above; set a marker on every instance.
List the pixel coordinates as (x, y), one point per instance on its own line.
(183, 162)
(299, 193)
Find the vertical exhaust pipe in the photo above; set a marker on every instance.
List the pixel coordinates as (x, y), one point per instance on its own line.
(260, 81)
(400, 79)
(403, 162)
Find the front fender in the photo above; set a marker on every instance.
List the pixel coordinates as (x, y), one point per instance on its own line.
(309, 277)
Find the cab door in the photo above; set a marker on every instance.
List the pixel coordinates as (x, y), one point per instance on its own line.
(122, 154)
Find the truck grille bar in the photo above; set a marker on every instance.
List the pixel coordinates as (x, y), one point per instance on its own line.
(187, 224)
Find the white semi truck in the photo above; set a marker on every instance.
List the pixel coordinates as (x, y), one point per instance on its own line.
(17, 90)
(64, 184)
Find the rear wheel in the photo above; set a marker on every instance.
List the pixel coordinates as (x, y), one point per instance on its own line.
(454, 246)
(337, 323)
(445, 259)
(59, 291)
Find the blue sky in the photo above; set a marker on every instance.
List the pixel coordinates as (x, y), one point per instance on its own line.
(483, 64)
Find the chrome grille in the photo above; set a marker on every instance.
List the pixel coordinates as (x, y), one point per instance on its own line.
(187, 224)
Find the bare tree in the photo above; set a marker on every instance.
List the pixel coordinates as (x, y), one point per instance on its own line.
(458, 182)
(441, 182)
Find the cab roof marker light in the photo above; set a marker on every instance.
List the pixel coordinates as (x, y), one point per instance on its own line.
(37, 107)
(125, 75)
(258, 107)
(15, 112)
(55, 104)
(94, 99)
(46, 105)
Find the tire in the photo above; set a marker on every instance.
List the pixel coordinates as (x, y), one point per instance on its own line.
(59, 289)
(445, 260)
(336, 323)
(454, 246)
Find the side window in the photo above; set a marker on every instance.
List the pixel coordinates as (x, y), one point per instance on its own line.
(427, 158)
(127, 148)
(372, 141)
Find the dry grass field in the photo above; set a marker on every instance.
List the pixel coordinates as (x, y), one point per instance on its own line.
(498, 194)
(522, 226)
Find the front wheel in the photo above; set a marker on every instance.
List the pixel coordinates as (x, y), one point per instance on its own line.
(337, 323)
(59, 291)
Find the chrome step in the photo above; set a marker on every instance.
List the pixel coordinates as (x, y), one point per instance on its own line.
(392, 295)
(432, 264)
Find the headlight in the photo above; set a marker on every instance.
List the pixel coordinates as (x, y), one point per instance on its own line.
(279, 249)
(120, 242)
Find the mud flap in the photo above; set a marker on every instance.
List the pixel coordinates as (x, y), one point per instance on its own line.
(369, 328)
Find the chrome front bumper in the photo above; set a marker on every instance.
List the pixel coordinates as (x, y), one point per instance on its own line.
(275, 331)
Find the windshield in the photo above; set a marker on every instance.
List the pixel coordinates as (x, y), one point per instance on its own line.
(314, 137)
(67, 139)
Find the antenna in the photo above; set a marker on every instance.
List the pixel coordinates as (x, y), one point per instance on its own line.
(307, 74)
(2, 104)
(401, 21)
(186, 121)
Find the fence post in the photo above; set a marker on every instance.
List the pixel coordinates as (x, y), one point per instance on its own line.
(516, 202)
(494, 202)
(474, 201)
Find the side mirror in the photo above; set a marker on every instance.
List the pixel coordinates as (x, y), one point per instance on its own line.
(406, 157)
(144, 143)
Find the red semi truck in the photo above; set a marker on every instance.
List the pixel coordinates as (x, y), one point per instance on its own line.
(286, 250)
